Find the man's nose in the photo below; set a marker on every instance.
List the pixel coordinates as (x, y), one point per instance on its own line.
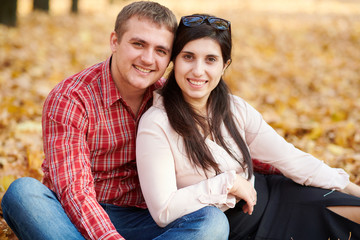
(147, 56)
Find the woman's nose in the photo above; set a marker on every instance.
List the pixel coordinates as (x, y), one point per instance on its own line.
(199, 68)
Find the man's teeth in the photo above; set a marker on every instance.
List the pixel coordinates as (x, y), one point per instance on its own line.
(142, 69)
(198, 83)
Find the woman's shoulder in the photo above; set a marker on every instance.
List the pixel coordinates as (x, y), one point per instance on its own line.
(236, 99)
(244, 112)
(238, 104)
(156, 113)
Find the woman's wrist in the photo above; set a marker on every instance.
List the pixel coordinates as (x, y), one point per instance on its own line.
(235, 185)
(352, 189)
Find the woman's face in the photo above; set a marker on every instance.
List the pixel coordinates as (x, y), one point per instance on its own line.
(198, 69)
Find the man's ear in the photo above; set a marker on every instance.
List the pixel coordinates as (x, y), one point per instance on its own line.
(113, 41)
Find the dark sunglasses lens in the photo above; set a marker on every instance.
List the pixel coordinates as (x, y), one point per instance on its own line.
(192, 21)
(219, 23)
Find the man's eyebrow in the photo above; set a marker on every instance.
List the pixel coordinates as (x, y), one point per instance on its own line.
(135, 39)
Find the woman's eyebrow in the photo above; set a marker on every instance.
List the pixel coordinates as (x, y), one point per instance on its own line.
(188, 52)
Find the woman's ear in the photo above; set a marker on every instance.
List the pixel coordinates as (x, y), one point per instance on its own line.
(226, 65)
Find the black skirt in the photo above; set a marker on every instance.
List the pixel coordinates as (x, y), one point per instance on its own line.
(286, 210)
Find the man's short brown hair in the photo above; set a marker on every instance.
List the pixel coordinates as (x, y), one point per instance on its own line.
(152, 11)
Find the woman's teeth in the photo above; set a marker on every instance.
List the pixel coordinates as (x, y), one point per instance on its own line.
(198, 83)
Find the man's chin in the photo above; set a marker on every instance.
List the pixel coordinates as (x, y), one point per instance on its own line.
(144, 83)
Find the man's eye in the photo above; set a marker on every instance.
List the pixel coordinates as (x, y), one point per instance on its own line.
(137, 44)
(162, 52)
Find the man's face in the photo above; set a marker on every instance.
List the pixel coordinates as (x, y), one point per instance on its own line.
(141, 56)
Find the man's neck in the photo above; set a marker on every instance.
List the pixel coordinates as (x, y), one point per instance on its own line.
(134, 102)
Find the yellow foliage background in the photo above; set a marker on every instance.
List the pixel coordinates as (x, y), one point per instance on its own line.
(297, 62)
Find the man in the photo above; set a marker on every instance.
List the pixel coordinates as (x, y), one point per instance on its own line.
(91, 188)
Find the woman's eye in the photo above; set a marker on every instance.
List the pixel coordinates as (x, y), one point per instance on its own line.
(188, 57)
(211, 59)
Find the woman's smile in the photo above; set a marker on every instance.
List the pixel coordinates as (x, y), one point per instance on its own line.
(197, 82)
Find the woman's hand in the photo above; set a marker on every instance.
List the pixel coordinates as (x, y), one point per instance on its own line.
(243, 189)
(352, 189)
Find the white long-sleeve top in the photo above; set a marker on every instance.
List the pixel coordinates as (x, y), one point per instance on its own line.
(173, 187)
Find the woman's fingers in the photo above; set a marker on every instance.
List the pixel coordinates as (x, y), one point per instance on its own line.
(249, 205)
(243, 189)
(251, 200)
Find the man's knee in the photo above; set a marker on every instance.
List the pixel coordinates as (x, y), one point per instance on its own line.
(23, 185)
(19, 191)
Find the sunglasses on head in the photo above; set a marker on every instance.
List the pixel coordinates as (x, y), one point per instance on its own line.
(196, 20)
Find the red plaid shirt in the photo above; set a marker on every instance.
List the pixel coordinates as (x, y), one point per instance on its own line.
(89, 143)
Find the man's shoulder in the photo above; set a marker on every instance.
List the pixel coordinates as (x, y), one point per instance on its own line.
(80, 81)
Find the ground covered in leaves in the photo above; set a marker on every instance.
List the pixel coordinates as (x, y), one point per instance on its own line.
(297, 64)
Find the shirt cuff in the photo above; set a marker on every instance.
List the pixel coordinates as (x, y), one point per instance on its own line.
(219, 193)
(112, 235)
(342, 179)
(330, 178)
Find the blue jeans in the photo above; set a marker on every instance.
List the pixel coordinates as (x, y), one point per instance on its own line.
(34, 212)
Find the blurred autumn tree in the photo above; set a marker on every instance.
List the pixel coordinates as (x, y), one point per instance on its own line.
(74, 6)
(8, 12)
(42, 5)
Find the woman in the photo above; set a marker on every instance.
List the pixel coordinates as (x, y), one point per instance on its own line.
(195, 144)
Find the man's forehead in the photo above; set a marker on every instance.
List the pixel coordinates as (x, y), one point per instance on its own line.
(149, 32)
(145, 21)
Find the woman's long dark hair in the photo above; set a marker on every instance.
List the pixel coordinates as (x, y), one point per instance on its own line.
(186, 122)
